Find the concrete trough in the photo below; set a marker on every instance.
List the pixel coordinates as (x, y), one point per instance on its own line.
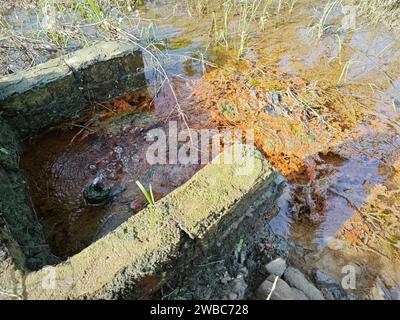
(186, 223)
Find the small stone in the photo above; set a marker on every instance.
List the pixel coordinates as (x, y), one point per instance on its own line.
(396, 104)
(118, 149)
(93, 168)
(395, 293)
(282, 290)
(239, 286)
(3, 254)
(298, 295)
(276, 98)
(379, 291)
(297, 279)
(233, 296)
(244, 271)
(242, 257)
(276, 267)
(327, 294)
(226, 279)
(322, 279)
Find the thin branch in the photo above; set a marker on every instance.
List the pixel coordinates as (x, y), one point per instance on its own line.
(273, 288)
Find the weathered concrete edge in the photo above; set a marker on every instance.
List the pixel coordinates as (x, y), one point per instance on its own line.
(37, 98)
(18, 224)
(21, 82)
(147, 243)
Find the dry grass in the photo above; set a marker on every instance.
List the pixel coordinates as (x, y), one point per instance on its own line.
(380, 11)
(39, 29)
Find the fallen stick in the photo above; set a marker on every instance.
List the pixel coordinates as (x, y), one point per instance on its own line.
(273, 288)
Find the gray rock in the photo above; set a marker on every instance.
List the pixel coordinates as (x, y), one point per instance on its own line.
(379, 291)
(226, 279)
(323, 280)
(297, 279)
(233, 296)
(330, 288)
(327, 294)
(282, 290)
(298, 295)
(281, 246)
(239, 286)
(3, 253)
(395, 293)
(276, 267)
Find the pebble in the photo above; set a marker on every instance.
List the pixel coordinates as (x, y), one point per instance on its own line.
(297, 279)
(3, 254)
(332, 289)
(298, 295)
(327, 294)
(282, 290)
(226, 279)
(118, 149)
(233, 296)
(395, 293)
(239, 286)
(93, 168)
(379, 291)
(322, 279)
(276, 267)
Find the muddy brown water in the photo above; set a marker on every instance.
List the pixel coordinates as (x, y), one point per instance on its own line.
(59, 170)
(62, 162)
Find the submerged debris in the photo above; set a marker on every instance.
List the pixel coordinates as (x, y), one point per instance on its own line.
(293, 118)
(97, 194)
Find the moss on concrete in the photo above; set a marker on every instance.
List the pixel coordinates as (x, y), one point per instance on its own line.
(40, 97)
(16, 215)
(62, 88)
(108, 69)
(214, 188)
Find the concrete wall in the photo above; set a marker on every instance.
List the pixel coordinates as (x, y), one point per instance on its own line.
(17, 219)
(63, 88)
(194, 216)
